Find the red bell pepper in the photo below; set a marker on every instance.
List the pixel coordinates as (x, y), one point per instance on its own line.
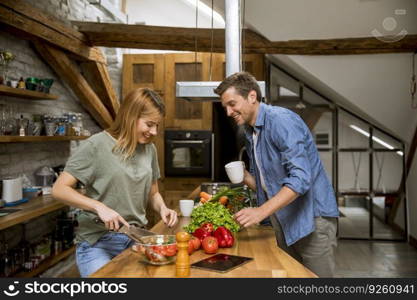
(200, 233)
(224, 237)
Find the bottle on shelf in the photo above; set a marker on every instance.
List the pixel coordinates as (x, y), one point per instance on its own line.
(22, 131)
(57, 240)
(21, 84)
(6, 264)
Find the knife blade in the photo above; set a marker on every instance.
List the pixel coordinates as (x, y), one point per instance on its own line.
(134, 232)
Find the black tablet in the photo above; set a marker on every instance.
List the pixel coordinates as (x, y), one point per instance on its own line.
(221, 262)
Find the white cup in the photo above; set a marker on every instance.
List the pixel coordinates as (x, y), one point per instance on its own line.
(235, 171)
(186, 207)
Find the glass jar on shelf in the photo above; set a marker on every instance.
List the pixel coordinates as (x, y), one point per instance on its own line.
(61, 126)
(78, 125)
(50, 125)
(37, 125)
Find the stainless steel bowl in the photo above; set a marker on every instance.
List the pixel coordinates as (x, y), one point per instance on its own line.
(213, 187)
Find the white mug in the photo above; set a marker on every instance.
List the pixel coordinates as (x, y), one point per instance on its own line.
(186, 207)
(235, 171)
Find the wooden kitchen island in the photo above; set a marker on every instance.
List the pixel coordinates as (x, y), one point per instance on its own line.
(257, 242)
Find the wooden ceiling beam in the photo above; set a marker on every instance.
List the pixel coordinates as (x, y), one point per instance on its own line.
(151, 37)
(69, 72)
(184, 39)
(29, 23)
(365, 45)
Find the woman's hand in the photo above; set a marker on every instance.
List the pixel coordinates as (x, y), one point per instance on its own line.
(169, 216)
(111, 218)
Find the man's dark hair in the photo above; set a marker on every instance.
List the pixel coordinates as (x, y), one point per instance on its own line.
(243, 82)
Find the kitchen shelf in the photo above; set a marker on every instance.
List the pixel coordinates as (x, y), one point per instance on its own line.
(23, 139)
(48, 262)
(28, 94)
(35, 207)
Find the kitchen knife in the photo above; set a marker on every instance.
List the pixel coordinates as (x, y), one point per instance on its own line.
(134, 232)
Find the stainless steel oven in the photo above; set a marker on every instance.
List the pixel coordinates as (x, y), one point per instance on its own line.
(188, 153)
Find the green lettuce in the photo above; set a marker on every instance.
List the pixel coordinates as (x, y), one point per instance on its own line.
(214, 213)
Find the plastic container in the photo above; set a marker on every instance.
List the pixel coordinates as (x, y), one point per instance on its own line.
(31, 192)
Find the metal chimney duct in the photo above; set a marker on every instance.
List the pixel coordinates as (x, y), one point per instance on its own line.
(198, 91)
(232, 37)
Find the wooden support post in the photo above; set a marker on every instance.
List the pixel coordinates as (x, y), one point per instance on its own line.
(68, 71)
(99, 79)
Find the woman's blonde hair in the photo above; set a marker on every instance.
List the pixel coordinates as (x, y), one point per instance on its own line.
(138, 103)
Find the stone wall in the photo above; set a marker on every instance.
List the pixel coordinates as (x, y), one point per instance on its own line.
(25, 158)
(17, 159)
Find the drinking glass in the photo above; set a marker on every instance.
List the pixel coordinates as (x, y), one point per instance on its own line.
(10, 122)
(2, 117)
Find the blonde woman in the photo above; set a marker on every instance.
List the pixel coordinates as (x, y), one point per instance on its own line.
(119, 168)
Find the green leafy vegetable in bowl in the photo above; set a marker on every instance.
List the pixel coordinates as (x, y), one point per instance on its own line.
(214, 213)
(238, 198)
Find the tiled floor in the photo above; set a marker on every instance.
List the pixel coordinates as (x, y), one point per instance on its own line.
(354, 223)
(375, 259)
(371, 258)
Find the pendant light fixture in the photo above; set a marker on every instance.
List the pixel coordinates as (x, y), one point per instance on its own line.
(413, 81)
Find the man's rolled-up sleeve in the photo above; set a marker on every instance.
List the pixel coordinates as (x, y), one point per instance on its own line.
(291, 137)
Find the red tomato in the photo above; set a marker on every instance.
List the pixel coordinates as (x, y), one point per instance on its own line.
(210, 245)
(157, 249)
(208, 227)
(190, 247)
(169, 250)
(154, 256)
(196, 242)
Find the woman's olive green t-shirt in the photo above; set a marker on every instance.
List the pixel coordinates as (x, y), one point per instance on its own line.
(123, 186)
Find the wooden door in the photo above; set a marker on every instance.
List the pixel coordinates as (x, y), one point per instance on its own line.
(143, 70)
(146, 70)
(183, 114)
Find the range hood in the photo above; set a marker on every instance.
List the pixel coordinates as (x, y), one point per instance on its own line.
(198, 91)
(201, 91)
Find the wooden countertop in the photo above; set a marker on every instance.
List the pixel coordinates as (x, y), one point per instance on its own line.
(257, 242)
(33, 208)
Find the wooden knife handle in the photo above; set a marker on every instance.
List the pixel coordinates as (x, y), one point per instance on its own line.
(97, 220)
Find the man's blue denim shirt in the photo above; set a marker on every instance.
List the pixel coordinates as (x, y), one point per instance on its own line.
(288, 157)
